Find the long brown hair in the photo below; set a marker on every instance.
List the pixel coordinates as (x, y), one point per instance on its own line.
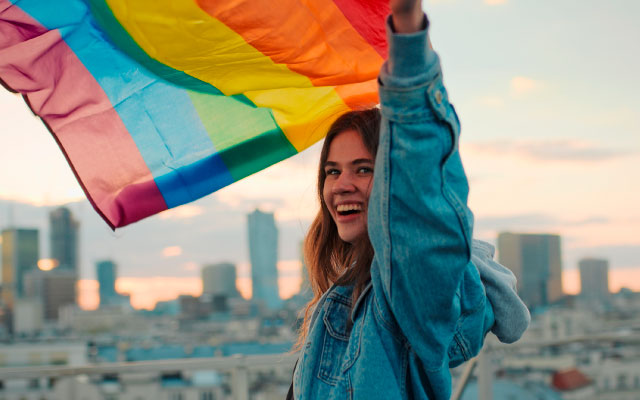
(329, 259)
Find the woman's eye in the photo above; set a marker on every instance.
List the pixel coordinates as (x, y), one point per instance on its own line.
(332, 171)
(365, 170)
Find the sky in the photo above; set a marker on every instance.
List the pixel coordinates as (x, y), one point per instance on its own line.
(549, 99)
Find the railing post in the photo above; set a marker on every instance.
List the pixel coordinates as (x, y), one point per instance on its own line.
(464, 379)
(240, 383)
(485, 375)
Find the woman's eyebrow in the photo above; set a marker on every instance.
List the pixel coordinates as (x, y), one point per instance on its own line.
(357, 161)
(362, 161)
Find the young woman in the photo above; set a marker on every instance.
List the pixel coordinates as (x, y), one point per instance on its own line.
(401, 291)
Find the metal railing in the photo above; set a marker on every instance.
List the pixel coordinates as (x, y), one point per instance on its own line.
(239, 365)
(482, 363)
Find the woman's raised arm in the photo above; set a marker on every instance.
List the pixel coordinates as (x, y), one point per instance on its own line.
(419, 222)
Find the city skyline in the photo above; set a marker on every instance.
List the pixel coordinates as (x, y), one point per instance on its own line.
(159, 284)
(547, 95)
(543, 151)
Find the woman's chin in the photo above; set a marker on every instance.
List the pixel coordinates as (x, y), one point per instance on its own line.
(351, 235)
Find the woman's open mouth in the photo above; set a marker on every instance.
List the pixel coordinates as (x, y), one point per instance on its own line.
(346, 210)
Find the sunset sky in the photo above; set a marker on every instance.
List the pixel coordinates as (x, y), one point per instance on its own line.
(549, 100)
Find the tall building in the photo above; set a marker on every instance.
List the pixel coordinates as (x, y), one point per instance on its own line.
(20, 255)
(106, 273)
(305, 286)
(54, 289)
(594, 279)
(63, 238)
(27, 316)
(536, 261)
(219, 280)
(263, 254)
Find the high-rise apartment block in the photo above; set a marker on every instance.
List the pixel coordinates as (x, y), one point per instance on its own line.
(106, 273)
(20, 255)
(305, 285)
(63, 236)
(219, 280)
(536, 261)
(263, 253)
(54, 289)
(594, 279)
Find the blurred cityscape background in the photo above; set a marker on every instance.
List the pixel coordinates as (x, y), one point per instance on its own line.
(201, 302)
(226, 341)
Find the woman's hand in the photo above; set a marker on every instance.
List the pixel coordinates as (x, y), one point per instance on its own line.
(407, 15)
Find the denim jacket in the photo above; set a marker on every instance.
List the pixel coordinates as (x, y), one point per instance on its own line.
(426, 308)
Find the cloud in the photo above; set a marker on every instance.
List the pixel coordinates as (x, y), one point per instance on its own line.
(171, 251)
(620, 117)
(521, 85)
(491, 101)
(495, 2)
(619, 256)
(190, 266)
(550, 150)
(532, 222)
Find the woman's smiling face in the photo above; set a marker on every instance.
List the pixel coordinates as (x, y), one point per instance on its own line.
(347, 185)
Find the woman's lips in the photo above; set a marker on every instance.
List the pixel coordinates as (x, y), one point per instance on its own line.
(348, 217)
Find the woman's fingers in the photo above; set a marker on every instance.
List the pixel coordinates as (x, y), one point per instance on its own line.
(403, 6)
(407, 15)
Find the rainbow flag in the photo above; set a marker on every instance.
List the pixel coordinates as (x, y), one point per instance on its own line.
(156, 103)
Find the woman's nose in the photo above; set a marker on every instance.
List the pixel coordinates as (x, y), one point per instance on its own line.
(344, 183)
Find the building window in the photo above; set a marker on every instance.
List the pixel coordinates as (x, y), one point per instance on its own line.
(35, 358)
(59, 358)
(622, 382)
(207, 396)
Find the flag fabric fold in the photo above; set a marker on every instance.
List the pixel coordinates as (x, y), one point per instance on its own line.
(156, 103)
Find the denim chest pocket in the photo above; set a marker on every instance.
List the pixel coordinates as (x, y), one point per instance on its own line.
(341, 341)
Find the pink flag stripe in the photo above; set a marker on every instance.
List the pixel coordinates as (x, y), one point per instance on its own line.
(38, 63)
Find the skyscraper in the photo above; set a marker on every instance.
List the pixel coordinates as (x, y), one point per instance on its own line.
(536, 261)
(263, 253)
(594, 279)
(219, 280)
(106, 272)
(305, 286)
(20, 255)
(63, 238)
(54, 289)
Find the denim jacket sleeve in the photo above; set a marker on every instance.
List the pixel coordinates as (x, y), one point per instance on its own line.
(418, 219)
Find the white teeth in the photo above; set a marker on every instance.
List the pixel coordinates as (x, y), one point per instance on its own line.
(348, 207)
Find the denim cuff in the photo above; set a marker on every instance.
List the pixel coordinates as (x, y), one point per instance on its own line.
(410, 58)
